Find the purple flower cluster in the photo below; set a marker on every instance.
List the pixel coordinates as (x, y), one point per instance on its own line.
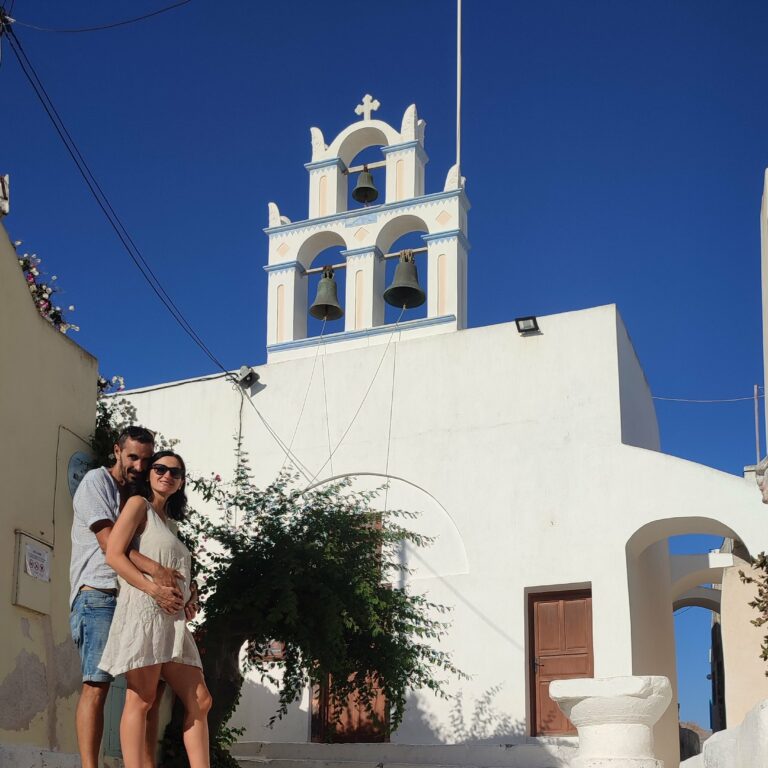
(42, 292)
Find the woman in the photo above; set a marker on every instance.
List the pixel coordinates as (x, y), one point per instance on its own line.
(144, 642)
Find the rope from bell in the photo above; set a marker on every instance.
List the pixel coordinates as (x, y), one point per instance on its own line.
(304, 401)
(389, 431)
(362, 402)
(327, 418)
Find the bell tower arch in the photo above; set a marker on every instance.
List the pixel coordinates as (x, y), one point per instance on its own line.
(366, 233)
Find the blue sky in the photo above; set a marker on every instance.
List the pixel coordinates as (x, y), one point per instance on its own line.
(614, 153)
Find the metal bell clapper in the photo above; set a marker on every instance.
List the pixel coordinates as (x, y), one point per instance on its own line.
(405, 290)
(365, 192)
(326, 304)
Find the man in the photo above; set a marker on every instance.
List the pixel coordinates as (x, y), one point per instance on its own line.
(97, 503)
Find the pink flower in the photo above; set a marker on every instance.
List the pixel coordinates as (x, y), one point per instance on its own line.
(30, 278)
(217, 478)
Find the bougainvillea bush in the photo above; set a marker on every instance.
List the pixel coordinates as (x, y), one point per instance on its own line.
(44, 290)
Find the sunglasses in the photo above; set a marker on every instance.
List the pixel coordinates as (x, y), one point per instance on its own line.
(176, 472)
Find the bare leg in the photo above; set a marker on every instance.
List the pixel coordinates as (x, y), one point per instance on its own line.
(89, 721)
(188, 684)
(153, 728)
(139, 698)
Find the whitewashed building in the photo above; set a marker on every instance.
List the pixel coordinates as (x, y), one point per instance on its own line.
(533, 456)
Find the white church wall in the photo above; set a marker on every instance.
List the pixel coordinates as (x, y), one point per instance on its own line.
(511, 448)
(653, 634)
(638, 416)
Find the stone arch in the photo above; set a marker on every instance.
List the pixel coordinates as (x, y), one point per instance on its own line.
(316, 243)
(690, 571)
(448, 554)
(359, 136)
(397, 227)
(662, 528)
(700, 597)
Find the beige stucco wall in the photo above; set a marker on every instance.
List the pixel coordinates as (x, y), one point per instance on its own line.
(745, 680)
(47, 407)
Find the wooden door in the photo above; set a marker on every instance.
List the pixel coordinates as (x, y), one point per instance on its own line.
(355, 724)
(560, 629)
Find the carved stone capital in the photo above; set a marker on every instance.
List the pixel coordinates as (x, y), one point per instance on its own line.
(615, 718)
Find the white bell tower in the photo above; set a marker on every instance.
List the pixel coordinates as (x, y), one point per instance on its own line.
(366, 234)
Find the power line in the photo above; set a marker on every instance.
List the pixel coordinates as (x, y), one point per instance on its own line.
(102, 26)
(122, 233)
(101, 198)
(724, 400)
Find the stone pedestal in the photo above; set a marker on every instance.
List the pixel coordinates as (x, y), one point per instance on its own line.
(615, 718)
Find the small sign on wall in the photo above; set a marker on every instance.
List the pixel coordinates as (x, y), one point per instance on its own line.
(37, 561)
(32, 573)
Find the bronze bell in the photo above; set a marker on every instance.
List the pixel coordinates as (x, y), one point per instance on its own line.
(326, 304)
(364, 191)
(405, 290)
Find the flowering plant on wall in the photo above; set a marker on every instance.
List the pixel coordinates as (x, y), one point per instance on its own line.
(109, 386)
(43, 290)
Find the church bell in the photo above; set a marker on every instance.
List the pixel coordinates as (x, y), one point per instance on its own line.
(364, 191)
(405, 290)
(326, 304)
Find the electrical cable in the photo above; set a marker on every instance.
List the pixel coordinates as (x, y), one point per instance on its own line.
(686, 400)
(102, 26)
(103, 202)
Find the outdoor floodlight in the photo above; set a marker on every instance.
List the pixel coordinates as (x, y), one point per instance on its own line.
(527, 324)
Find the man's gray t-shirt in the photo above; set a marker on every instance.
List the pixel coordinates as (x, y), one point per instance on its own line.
(97, 498)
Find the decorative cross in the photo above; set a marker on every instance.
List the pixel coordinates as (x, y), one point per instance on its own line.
(369, 105)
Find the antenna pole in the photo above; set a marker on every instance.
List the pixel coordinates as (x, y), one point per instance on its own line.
(458, 90)
(757, 422)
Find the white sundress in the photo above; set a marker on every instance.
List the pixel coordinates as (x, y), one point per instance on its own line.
(142, 634)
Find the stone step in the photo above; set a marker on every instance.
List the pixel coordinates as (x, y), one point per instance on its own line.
(525, 753)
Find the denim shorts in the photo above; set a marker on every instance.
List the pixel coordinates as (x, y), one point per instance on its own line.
(89, 621)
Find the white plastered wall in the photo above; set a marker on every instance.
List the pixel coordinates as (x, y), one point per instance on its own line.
(521, 470)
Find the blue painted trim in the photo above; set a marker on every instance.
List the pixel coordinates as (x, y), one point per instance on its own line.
(378, 330)
(457, 233)
(285, 266)
(329, 163)
(362, 252)
(397, 147)
(295, 226)
(420, 153)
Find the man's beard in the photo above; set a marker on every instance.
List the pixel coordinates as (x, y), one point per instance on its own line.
(129, 476)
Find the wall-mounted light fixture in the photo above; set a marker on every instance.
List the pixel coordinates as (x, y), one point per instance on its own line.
(247, 376)
(527, 325)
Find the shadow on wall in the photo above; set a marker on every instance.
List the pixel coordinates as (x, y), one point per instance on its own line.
(257, 705)
(482, 725)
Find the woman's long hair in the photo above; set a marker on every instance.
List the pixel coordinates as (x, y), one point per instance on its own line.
(176, 506)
